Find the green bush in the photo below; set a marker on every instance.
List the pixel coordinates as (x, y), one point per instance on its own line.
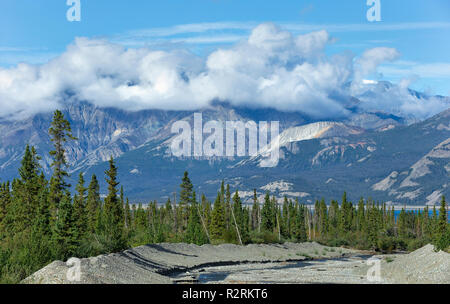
(401, 244)
(415, 244)
(442, 242)
(270, 237)
(386, 244)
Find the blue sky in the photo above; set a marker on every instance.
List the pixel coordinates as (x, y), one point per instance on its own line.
(35, 31)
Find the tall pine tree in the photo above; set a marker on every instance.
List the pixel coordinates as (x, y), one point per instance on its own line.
(60, 132)
(113, 215)
(442, 236)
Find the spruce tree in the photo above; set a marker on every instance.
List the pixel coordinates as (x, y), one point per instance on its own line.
(333, 218)
(323, 216)
(426, 224)
(240, 218)
(141, 220)
(346, 213)
(372, 228)
(227, 206)
(442, 234)
(25, 202)
(5, 201)
(217, 226)
(79, 211)
(60, 132)
(402, 224)
(41, 246)
(185, 197)
(256, 212)
(434, 220)
(300, 227)
(207, 211)
(113, 212)
(360, 217)
(285, 218)
(267, 215)
(64, 242)
(195, 233)
(93, 204)
(128, 224)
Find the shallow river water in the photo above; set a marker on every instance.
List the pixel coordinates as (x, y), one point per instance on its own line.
(340, 270)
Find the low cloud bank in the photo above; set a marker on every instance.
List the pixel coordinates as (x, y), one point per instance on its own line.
(272, 68)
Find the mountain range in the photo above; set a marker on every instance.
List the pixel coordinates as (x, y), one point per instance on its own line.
(371, 154)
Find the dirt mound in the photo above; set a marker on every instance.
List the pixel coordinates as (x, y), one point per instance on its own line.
(423, 266)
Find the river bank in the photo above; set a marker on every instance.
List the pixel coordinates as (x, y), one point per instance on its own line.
(256, 263)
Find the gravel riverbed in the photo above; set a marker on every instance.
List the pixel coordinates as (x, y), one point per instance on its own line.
(275, 263)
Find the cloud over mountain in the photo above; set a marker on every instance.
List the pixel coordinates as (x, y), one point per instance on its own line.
(271, 68)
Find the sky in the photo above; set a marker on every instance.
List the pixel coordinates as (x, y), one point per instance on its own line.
(411, 49)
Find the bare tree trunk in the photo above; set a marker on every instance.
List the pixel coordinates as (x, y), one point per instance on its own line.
(237, 228)
(175, 212)
(279, 232)
(259, 220)
(203, 223)
(309, 223)
(314, 217)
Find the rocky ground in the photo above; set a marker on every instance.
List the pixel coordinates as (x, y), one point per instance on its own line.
(287, 263)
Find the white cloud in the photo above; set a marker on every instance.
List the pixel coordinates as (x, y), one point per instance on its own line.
(372, 58)
(398, 100)
(272, 68)
(204, 33)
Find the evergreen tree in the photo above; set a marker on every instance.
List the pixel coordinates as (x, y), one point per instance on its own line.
(41, 246)
(5, 201)
(227, 205)
(256, 212)
(372, 228)
(79, 211)
(93, 205)
(60, 131)
(217, 226)
(113, 211)
(345, 220)
(300, 227)
(195, 233)
(292, 217)
(285, 218)
(434, 220)
(360, 217)
(426, 224)
(323, 216)
(141, 220)
(240, 218)
(64, 240)
(25, 202)
(402, 224)
(128, 224)
(185, 196)
(442, 236)
(206, 206)
(334, 216)
(267, 215)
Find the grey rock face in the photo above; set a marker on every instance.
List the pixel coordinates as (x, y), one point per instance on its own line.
(319, 159)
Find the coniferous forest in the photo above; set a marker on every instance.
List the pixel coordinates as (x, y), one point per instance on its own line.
(41, 221)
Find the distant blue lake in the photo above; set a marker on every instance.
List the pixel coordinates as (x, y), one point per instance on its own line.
(430, 212)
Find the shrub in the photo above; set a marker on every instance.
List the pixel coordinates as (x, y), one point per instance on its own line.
(415, 244)
(386, 244)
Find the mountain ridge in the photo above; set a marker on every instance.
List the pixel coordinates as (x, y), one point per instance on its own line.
(318, 158)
